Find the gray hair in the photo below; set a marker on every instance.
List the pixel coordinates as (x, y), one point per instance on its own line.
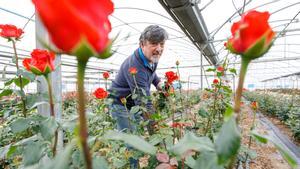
(154, 34)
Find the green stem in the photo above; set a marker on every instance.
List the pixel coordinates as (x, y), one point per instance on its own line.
(253, 121)
(215, 102)
(237, 100)
(146, 115)
(173, 117)
(220, 95)
(180, 132)
(180, 91)
(83, 130)
(129, 119)
(250, 137)
(52, 114)
(207, 125)
(15, 53)
(24, 110)
(211, 117)
(106, 84)
(50, 95)
(164, 143)
(133, 76)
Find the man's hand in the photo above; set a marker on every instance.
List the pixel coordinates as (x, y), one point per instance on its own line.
(152, 125)
(167, 89)
(160, 86)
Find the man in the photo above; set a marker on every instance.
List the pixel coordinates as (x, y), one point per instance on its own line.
(126, 84)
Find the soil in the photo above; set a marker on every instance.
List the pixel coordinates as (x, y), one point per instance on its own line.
(267, 155)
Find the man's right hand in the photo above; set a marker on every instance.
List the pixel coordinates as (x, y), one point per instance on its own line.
(160, 86)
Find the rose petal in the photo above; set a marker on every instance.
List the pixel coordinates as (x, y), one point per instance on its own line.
(162, 157)
(164, 166)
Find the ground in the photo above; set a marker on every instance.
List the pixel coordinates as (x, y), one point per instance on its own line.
(267, 155)
(284, 129)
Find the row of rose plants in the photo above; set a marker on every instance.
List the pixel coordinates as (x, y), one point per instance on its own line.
(90, 140)
(285, 107)
(294, 91)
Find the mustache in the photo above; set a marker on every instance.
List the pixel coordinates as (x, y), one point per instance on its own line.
(156, 53)
(155, 59)
(156, 56)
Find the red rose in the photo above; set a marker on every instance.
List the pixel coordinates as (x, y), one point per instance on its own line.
(251, 36)
(180, 124)
(40, 63)
(10, 31)
(254, 105)
(132, 70)
(100, 93)
(242, 103)
(216, 81)
(220, 69)
(105, 75)
(175, 125)
(77, 27)
(171, 76)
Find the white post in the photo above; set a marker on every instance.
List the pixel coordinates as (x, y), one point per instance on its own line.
(44, 109)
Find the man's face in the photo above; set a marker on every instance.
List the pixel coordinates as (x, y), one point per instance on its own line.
(153, 51)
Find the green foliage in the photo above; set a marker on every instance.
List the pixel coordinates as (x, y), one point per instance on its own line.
(32, 153)
(20, 125)
(211, 70)
(294, 121)
(134, 109)
(203, 113)
(48, 128)
(232, 70)
(228, 113)
(6, 92)
(207, 160)
(132, 140)
(286, 155)
(30, 139)
(191, 142)
(25, 82)
(284, 107)
(62, 160)
(228, 141)
(26, 74)
(100, 162)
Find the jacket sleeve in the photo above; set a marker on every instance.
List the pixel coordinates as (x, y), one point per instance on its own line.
(156, 80)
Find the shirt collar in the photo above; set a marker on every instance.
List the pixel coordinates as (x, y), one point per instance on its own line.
(145, 61)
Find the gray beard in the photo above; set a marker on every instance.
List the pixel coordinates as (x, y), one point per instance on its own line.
(155, 60)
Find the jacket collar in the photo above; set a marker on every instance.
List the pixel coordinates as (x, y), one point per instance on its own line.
(141, 61)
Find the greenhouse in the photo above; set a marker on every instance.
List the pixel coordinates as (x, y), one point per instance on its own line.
(165, 84)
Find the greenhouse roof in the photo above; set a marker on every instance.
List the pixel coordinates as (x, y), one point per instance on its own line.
(130, 17)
